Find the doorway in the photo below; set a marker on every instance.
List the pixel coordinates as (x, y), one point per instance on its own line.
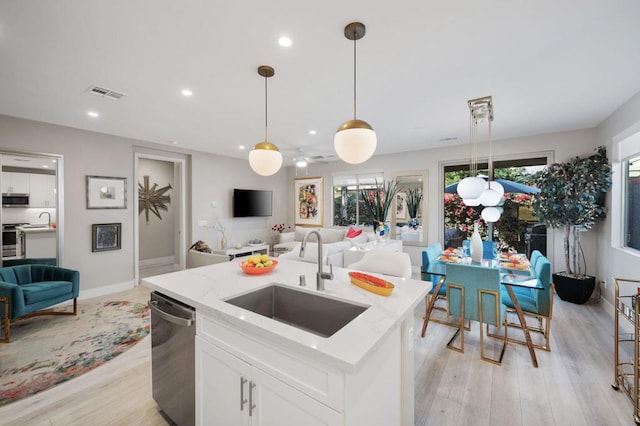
(160, 224)
(32, 206)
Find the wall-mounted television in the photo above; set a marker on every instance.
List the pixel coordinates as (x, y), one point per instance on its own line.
(252, 202)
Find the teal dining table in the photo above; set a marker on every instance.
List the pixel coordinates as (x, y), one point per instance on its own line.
(509, 277)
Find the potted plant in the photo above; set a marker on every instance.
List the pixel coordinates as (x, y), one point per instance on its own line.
(572, 196)
(414, 197)
(377, 201)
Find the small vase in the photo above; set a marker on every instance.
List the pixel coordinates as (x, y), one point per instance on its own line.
(476, 245)
(223, 242)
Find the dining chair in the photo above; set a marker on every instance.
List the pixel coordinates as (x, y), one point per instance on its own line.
(473, 293)
(395, 263)
(535, 303)
(429, 255)
(488, 248)
(533, 259)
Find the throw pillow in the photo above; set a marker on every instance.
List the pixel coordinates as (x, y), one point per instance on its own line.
(352, 233)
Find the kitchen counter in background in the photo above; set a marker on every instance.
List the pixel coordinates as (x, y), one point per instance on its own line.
(36, 241)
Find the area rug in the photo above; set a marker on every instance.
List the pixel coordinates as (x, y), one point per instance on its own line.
(47, 350)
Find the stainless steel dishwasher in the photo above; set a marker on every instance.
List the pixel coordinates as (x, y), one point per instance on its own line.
(173, 332)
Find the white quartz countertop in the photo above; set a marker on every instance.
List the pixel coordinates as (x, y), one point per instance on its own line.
(207, 287)
(39, 229)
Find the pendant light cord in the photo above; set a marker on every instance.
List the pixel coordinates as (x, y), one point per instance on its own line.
(266, 110)
(354, 72)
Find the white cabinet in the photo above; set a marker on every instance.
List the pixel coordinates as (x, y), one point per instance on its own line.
(234, 392)
(16, 183)
(42, 191)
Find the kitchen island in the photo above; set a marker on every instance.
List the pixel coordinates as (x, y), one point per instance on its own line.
(36, 241)
(250, 368)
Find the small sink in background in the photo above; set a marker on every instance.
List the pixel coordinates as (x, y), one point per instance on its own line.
(307, 311)
(43, 225)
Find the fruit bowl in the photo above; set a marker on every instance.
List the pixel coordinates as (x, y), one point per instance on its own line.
(370, 283)
(252, 270)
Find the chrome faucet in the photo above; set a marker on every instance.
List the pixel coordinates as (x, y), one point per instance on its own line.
(48, 215)
(320, 276)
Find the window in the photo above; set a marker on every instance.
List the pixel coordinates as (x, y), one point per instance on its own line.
(632, 216)
(347, 205)
(517, 228)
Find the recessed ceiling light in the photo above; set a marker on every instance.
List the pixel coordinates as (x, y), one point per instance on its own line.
(284, 41)
(45, 166)
(241, 147)
(312, 132)
(174, 142)
(93, 114)
(187, 92)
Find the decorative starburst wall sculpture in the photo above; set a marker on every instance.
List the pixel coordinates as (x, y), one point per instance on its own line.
(152, 198)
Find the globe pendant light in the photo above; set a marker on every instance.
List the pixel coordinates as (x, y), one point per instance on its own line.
(490, 214)
(355, 141)
(265, 159)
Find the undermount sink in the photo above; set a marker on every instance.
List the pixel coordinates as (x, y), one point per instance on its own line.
(43, 225)
(307, 311)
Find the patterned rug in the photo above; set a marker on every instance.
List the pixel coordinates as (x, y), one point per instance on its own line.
(48, 350)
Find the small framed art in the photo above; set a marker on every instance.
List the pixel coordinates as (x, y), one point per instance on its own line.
(106, 236)
(105, 192)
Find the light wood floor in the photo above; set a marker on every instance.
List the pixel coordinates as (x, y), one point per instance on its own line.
(571, 387)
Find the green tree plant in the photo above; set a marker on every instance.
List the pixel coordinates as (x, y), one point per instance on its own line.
(572, 196)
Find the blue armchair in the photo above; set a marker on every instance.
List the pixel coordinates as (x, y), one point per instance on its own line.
(30, 288)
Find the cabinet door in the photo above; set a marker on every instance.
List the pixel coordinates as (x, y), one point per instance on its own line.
(42, 190)
(278, 404)
(17, 183)
(222, 387)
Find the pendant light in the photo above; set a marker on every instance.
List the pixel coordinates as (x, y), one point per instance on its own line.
(265, 159)
(355, 141)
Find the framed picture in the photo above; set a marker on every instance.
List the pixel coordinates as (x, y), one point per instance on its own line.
(401, 206)
(308, 201)
(105, 192)
(106, 236)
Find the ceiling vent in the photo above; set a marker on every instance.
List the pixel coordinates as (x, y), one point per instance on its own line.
(105, 93)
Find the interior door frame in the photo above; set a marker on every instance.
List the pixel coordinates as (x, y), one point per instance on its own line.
(59, 175)
(180, 233)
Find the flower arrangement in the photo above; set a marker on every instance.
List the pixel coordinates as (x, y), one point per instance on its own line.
(280, 227)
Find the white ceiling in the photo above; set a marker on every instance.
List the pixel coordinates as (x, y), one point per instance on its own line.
(550, 66)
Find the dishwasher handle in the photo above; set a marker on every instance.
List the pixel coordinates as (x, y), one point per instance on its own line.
(184, 322)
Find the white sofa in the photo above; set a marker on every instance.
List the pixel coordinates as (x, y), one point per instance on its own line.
(195, 259)
(334, 241)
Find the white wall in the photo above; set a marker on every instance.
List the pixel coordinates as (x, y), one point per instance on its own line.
(614, 261)
(87, 153)
(157, 235)
(214, 179)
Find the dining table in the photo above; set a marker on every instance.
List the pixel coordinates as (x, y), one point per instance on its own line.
(511, 275)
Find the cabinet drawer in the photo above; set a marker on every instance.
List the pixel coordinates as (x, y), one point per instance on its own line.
(319, 382)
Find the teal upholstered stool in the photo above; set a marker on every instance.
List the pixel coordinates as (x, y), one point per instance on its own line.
(33, 287)
(473, 293)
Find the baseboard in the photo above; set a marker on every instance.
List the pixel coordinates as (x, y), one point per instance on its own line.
(158, 261)
(108, 289)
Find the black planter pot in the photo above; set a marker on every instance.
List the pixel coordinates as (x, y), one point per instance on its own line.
(574, 289)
